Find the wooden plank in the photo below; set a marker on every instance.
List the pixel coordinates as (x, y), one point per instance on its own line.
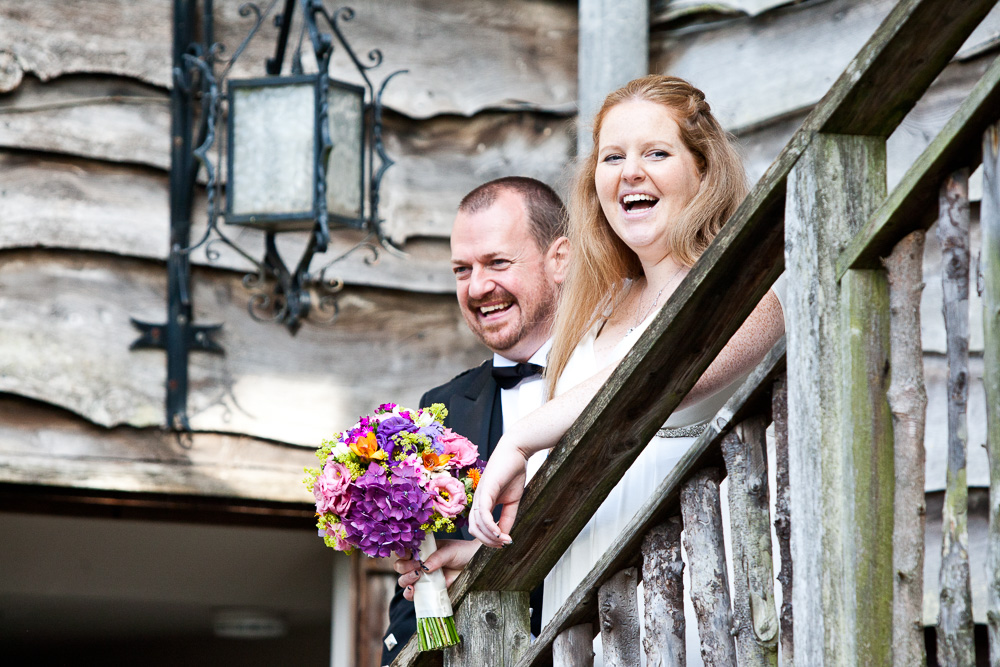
(663, 594)
(64, 311)
(574, 647)
(832, 190)
(955, 639)
(494, 627)
(943, 27)
(463, 58)
(618, 610)
(762, 143)
(755, 619)
(664, 11)
(613, 49)
(662, 504)
(123, 209)
(129, 460)
(910, 205)
(742, 64)
(907, 397)
(97, 117)
(867, 427)
(782, 517)
(989, 274)
(703, 543)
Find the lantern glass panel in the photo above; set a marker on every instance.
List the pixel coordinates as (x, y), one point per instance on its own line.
(273, 137)
(345, 170)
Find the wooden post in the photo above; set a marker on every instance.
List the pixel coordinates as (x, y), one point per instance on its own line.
(618, 608)
(754, 615)
(494, 627)
(837, 409)
(782, 518)
(706, 552)
(574, 647)
(989, 266)
(908, 402)
(663, 595)
(955, 641)
(613, 50)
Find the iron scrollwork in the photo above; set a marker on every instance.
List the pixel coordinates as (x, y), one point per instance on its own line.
(279, 292)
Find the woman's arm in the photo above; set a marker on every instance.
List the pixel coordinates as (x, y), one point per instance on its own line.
(503, 480)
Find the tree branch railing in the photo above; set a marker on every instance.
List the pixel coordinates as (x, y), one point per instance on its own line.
(829, 181)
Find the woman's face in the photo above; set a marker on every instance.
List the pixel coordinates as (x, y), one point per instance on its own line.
(645, 175)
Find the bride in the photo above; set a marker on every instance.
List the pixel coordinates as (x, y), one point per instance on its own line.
(661, 180)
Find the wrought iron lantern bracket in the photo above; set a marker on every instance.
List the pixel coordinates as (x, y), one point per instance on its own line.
(202, 93)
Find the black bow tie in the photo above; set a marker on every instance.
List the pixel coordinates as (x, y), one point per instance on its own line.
(508, 376)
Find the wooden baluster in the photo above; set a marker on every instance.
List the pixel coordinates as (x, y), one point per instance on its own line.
(574, 647)
(663, 595)
(706, 552)
(754, 614)
(908, 402)
(494, 627)
(618, 608)
(989, 266)
(782, 516)
(955, 641)
(839, 423)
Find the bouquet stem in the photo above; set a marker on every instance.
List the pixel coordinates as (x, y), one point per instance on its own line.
(435, 620)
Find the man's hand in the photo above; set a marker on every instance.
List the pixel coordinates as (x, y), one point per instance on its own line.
(451, 558)
(502, 483)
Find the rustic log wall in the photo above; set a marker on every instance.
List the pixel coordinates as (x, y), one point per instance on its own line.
(491, 91)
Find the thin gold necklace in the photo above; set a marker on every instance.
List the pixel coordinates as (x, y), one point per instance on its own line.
(639, 315)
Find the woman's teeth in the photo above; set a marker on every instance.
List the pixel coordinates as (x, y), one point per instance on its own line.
(642, 201)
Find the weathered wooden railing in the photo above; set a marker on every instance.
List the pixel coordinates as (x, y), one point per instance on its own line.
(821, 213)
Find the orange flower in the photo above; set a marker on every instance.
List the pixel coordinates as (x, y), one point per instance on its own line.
(434, 460)
(474, 475)
(367, 448)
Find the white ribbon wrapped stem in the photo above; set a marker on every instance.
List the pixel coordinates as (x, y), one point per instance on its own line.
(430, 595)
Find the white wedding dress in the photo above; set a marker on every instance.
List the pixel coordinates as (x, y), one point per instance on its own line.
(640, 480)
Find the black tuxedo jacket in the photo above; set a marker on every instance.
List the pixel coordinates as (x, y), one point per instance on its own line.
(473, 411)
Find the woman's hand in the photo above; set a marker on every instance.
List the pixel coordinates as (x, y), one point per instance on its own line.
(502, 483)
(451, 558)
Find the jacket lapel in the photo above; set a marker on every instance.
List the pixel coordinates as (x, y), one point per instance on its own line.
(471, 411)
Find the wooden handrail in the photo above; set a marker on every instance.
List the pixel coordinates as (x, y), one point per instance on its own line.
(878, 88)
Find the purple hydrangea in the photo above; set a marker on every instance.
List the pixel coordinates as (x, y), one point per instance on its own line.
(386, 513)
(390, 427)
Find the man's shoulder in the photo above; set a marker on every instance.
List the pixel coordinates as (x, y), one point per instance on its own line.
(457, 383)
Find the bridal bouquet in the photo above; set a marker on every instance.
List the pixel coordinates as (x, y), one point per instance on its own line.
(386, 485)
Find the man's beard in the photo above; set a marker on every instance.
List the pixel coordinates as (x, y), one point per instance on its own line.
(504, 340)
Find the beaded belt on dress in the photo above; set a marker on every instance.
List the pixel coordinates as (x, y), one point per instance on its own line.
(692, 431)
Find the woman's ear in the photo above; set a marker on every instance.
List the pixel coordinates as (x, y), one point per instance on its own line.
(557, 259)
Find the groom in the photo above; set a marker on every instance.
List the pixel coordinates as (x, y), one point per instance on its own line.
(509, 256)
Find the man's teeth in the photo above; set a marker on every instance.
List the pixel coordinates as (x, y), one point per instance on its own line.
(486, 310)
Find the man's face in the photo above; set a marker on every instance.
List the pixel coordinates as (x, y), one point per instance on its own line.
(507, 287)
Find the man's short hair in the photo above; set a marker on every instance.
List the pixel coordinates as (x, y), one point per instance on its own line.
(546, 213)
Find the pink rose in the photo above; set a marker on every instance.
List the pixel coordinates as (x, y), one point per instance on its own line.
(462, 452)
(331, 489)
(447, 495)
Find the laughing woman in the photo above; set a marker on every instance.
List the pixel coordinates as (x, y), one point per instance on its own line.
(661, 180)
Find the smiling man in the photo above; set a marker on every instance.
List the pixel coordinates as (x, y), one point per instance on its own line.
(509, 256)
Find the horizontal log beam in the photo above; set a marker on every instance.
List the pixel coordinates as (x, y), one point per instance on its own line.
(912, 204)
